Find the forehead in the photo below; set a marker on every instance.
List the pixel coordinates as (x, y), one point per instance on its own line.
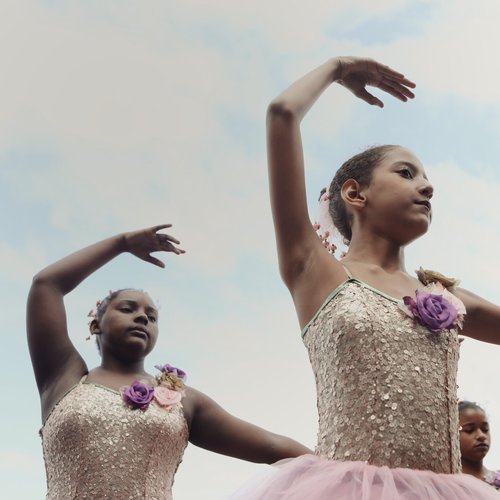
(473, 415)
(137, 296)
(401, 155)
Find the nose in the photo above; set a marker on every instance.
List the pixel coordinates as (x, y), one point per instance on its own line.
(142, 318)
(481, 436)
(426, 189)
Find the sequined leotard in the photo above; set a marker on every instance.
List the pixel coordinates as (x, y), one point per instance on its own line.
(97, 448)
(388, 413)
(386, 386)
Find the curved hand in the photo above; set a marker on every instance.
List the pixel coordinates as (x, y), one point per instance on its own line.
(141, 243)
(356, 73)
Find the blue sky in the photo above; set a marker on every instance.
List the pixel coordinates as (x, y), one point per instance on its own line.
(119, 115)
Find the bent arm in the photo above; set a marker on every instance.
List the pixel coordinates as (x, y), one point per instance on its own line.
(214, 429)
(482, 321)
(296, 239)
(52, 352)
(56, 362)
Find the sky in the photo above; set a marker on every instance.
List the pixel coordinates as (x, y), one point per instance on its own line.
(121, 115)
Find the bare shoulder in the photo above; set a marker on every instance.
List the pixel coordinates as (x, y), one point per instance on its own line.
(192, 400)
(58, 388)
(322, 274)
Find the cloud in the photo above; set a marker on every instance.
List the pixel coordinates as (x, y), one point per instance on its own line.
(463, 236)
(21, 262)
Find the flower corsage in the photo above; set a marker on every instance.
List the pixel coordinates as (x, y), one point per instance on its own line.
(493, 478)
(169, 390)
(435, 308)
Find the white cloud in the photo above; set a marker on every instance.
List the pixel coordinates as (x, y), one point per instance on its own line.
(20, 263)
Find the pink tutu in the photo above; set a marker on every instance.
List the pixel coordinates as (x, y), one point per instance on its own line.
(314, 478)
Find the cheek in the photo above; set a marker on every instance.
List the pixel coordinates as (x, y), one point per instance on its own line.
(153, 338)
(466, 441)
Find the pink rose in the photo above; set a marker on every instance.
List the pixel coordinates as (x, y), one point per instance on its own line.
(166, 397)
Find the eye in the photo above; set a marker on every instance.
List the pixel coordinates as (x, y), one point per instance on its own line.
(126, 309)
(153, 319)
(467, 429)
(406, 173)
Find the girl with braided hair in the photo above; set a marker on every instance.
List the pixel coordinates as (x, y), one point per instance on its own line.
(382, 343)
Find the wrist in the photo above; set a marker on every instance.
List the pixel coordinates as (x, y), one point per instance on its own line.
(335, 68)
(121, 243)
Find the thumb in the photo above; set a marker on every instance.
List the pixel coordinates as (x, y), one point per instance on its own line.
(369, 98)
(153, 260)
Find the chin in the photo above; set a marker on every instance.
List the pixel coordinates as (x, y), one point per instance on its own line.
(417, 230)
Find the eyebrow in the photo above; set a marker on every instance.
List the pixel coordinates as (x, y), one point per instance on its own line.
(412, 166)
(134, 303)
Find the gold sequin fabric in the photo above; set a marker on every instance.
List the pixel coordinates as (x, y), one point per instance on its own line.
(386, 386)
(97, 448)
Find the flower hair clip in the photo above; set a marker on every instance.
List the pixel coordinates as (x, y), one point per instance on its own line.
(93, 312)
(328, 234)
(324, 223)
(325, 238)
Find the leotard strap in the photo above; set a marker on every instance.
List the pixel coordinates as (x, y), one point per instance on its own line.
(347, 271)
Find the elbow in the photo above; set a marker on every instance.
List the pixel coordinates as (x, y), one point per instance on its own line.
(41, 280)
(280, 110)
(38, 279)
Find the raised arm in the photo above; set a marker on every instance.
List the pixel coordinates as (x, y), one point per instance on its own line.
(213, 428)
(56, 362)
(296, 240)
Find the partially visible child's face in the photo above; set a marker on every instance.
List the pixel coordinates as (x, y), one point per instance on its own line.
(474, 434)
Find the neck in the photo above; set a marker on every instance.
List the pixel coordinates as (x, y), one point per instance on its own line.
(111, 364)
(473, 468)
(378, 251)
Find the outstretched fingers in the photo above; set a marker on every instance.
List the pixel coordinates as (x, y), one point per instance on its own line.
(157, 228)
(166, 243)
(392, 74)
(398, 91)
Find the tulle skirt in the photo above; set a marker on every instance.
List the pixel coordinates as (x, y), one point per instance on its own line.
(314, 478)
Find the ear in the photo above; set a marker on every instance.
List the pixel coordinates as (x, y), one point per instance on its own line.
(352, 194)
(94, 327)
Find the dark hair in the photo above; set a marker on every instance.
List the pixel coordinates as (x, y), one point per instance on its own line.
(468, 405)
(360, 168)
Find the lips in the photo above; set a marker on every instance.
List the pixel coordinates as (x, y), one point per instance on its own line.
(482, 447)
(137, 331)
(424, 203)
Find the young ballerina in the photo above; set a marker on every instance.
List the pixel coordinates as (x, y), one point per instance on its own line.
(475, 442)
(116, 431)
(385, 368)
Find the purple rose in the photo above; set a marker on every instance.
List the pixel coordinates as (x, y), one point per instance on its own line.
(137, 395)
(496, 481)
(177, 372)
(432, 311)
